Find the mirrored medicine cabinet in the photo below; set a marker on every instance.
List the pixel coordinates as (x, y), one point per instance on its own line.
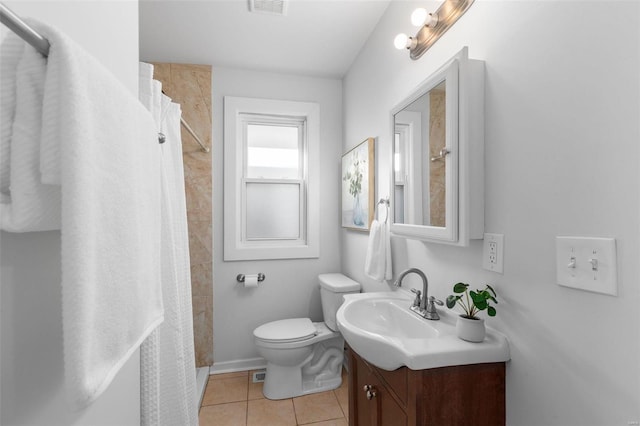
(438, 156)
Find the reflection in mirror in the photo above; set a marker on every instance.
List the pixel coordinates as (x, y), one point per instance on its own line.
(420, 160)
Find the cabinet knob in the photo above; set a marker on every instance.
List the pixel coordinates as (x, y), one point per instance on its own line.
(370, 390)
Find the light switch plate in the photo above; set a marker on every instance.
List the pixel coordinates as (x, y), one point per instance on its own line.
(493, 252)
(588, 264)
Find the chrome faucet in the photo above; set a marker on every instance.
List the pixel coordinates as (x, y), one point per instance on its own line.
(423, 305)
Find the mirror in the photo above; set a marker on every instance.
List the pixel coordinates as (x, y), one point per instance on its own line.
(420, 160)
(434, 155)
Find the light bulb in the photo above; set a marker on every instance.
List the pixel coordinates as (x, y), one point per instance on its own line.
(419, 17)
(401, 41)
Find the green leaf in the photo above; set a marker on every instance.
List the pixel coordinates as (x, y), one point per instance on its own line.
(492, 290)
(491, 311)
(452, 300)
(476, 297)
(460, 288)
(481, 304)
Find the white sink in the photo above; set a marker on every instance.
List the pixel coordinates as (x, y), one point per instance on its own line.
(381, 329)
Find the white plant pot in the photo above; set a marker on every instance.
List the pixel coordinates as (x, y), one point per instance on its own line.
(471, 330)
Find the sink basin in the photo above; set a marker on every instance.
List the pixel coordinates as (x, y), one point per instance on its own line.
(381, 329)
(388, 317)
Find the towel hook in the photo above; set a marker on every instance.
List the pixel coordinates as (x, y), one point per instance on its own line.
(443, 153)
(384, 201)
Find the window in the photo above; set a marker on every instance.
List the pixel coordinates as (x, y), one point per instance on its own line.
(271, 184)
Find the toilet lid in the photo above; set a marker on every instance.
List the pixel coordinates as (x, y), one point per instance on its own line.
(288, 330)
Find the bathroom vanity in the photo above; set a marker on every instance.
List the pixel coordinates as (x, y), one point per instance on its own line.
(405, 370)
(454, 395)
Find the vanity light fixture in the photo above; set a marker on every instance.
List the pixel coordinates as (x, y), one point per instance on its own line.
(420, 17)
(432, 26)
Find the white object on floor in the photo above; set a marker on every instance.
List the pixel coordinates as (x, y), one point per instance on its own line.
(202, 377)
(305, 357)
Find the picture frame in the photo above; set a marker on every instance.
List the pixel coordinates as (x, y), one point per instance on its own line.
(358, 186)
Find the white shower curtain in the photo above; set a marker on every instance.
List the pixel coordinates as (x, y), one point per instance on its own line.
(167, 361)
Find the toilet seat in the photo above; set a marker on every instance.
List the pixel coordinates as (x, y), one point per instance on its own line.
(286, 331)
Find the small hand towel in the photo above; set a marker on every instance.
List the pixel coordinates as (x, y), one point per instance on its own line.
(388, 266)
(377, 264)
(99, 146)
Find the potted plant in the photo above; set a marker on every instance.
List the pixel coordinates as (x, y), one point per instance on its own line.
(469, 326)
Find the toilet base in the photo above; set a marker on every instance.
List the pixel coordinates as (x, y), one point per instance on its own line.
(320, 371)
(283, 382)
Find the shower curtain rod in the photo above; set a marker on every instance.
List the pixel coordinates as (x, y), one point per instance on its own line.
(193, 133)
(41, 44)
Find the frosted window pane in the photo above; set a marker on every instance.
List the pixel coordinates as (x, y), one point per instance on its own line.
(273, 211)
(272, 152)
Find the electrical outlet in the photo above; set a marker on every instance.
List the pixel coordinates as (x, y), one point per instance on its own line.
(493, 252)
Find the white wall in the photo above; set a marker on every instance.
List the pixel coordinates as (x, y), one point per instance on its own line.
(562, 152)
(32, 390)
(291, 287)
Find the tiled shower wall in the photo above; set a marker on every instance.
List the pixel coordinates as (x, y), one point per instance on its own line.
(437, 141)
(190, 86)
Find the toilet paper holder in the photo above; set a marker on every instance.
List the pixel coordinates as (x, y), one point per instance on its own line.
(261, 277)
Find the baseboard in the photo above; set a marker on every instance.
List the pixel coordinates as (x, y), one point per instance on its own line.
(237, 365)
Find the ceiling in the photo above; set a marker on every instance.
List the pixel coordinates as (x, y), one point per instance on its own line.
(315, 37)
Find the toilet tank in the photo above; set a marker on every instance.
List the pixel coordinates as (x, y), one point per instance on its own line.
(332, 288)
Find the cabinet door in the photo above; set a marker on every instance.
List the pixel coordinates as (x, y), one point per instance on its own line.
(366, 409)
(388, 411)
(374, 405)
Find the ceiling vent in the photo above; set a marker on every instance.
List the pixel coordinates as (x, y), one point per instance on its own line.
(271, 7)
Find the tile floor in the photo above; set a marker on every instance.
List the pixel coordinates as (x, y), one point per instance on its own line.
(233, 400)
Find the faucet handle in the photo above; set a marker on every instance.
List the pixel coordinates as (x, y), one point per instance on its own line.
(416, 301)
(436, 301)
(430, 311)
(431, 302)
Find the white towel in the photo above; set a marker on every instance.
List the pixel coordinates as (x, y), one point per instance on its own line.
(26, 204)
(99, 146)
(377, 264)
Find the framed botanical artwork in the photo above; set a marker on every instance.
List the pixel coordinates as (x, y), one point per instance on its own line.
(358, 186)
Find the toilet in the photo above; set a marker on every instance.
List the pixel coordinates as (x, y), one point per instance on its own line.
(302, 356)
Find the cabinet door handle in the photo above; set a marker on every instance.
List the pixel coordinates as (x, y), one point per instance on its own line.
(370, 390)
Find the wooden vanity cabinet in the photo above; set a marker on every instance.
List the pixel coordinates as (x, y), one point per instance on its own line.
(458, 395)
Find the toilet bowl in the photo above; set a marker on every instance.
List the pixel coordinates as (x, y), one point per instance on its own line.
(303, 356)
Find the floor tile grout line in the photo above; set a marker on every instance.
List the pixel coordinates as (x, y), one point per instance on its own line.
(339, 405)
(295, 412)
(246, 412)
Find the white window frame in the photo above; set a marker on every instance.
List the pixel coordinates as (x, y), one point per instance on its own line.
(237, 113)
